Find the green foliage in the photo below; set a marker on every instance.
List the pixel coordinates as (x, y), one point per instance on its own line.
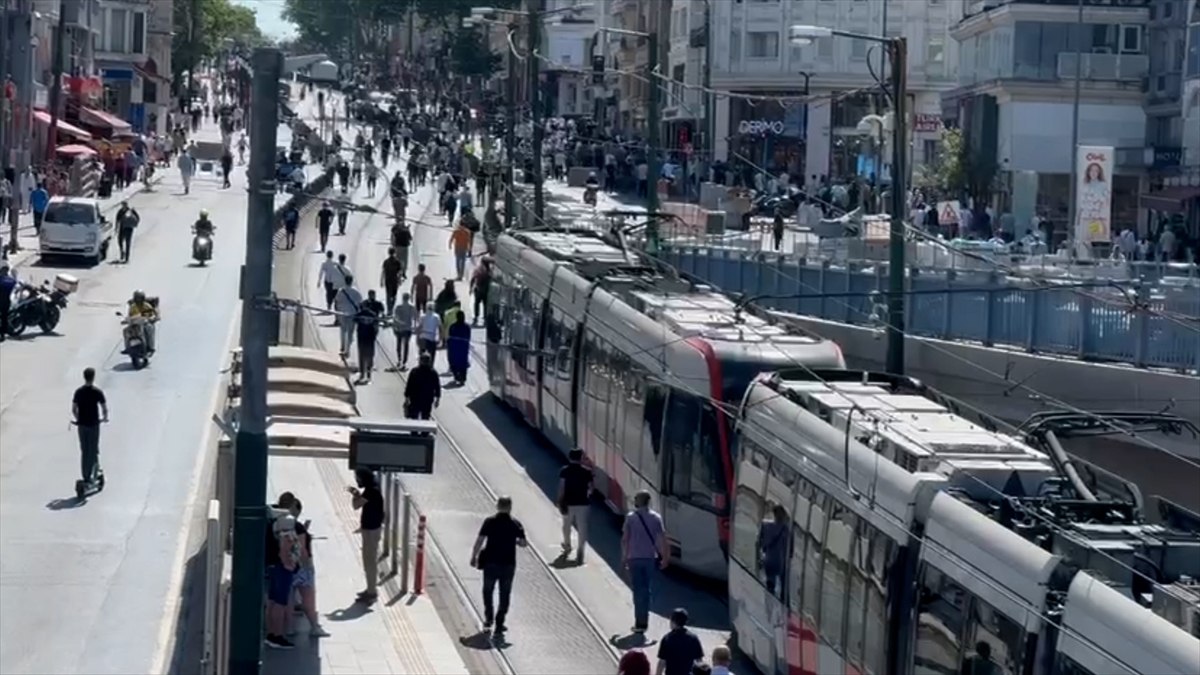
(204, 27)
(345, 28)
(470, 54)
(956, 171)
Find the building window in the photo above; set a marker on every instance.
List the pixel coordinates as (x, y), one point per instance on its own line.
(1131, 39)
(764, 45)
(139, 33)
(858, 49)
(1168, 10)
(935, 51)
(825, 48)
(117, 33)
(125, 32)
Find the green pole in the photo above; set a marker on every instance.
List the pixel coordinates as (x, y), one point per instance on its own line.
(653, 133)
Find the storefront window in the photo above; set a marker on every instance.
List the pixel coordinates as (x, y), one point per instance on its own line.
(768, 135)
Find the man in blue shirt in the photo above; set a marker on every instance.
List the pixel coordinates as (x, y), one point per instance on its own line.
(39, 199)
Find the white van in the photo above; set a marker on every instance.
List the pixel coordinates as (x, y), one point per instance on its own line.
(74, 226)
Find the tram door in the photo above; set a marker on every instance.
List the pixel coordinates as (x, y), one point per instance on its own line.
(693, 487)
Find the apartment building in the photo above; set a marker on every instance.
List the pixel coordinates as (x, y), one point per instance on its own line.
(1022, 62)
(131, 46)
(751, 54)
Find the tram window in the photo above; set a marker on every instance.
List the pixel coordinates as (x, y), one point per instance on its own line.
(856, 608)
(817, 518)
(635, 405)
(617, 392)
(748, 506)
(993, 642)
(804, 491)
(597, 387)
(776, 535)
(942, 607)
(691, 441)
(1066, 666)
(883, 557)
(564, 348)
(835, 585)
(652, 424)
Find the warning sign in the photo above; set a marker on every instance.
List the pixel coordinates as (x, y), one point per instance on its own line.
(949, 212)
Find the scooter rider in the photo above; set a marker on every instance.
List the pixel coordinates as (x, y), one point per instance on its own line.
(141, 308)
(203, 225)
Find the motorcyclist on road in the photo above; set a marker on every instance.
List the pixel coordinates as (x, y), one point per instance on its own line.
(141, 308)
(204, 226)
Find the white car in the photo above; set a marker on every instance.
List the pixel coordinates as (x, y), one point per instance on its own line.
(74, 226)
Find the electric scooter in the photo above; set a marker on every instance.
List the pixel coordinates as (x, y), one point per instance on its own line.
(85, 489)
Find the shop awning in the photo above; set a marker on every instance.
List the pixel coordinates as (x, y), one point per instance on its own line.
(100, 118)
(146, 74)
(1171, 200)
(43, 117)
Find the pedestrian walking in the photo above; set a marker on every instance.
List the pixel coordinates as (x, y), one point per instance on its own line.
(680, 648)
(458, 347)
(368, 499)
(481, 284)
(495, 554)
(422, 288)
(187, 169)
(423, 390)
(574, 501)
(429, 332)
(127, 221)
(324, 224)
(643, 552)
(39, 201)
(347, 304)
(370, 314)
(404, 322)
(634, 662)
(389, 278)
(89, 408)
(460, 243)
(722, 658)
(343, 216)
(291, 223)
(331, 278)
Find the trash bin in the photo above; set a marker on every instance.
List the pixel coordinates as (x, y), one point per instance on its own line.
(105, 189)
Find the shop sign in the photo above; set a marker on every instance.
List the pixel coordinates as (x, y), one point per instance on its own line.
(926, 123)
(760, 127)
(1167, 157)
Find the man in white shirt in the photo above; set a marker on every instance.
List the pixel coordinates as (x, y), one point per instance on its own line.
(332, 277)
(429, 331)
(347, 304)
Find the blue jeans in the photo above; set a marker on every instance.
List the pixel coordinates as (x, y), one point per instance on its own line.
(641, 581)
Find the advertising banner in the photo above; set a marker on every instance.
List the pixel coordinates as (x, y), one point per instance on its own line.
(1093, 193)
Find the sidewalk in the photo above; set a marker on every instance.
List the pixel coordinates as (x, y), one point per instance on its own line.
(397, 634)
(402, 634)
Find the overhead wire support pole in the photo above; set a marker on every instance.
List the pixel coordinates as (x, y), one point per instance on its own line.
(510, 131)
(535, 106)
(1072, 193)
(250, 469)
(898, 48)
(653, 134)
(56, 80)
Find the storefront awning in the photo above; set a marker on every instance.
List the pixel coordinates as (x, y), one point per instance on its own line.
(1171, 200)
(146, 74)
(100, 118)
(43, 117)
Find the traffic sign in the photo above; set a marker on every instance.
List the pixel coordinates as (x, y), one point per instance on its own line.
(949, 212)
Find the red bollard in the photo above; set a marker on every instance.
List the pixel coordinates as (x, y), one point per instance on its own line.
(419, 564)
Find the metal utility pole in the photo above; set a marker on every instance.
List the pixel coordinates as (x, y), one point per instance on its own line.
(20, 121)
(5, 104)
(56, 80)
(250, 467)
(710, 120)
(653, 133)
(510, 133)
(898, 48)
(535, 104)
(1072, 193)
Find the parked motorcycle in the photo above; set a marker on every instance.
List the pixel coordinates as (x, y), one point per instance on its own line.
(40, 306)
(202, 248)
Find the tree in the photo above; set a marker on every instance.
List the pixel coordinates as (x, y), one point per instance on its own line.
(957, 170)
(349, 28)
(204, 27)
(470, 54)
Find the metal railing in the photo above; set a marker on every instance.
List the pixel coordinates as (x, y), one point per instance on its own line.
(215, 659)
(1146, 324)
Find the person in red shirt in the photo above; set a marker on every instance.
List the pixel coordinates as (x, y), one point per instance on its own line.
(634, 662)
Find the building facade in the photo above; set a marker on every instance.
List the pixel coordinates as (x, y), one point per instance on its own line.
(824, 90)
(132, 49)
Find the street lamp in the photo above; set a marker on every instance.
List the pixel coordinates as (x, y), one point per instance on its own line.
(897, 48)
(535, 15)
(653, 131)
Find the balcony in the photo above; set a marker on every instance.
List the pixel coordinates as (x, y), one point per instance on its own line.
(1104, 67)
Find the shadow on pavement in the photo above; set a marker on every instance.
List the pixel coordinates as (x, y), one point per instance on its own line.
(189, 637)
(65, 503)
(704, 599)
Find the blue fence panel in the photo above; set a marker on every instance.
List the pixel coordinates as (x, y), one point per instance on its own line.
(1100, 324)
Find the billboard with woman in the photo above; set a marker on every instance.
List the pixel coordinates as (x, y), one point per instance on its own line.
(1093, 193)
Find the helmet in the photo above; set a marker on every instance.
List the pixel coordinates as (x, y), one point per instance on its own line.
(204, 213)
(139, 296)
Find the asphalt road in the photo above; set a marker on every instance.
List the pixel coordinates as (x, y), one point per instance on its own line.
(92, 587)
